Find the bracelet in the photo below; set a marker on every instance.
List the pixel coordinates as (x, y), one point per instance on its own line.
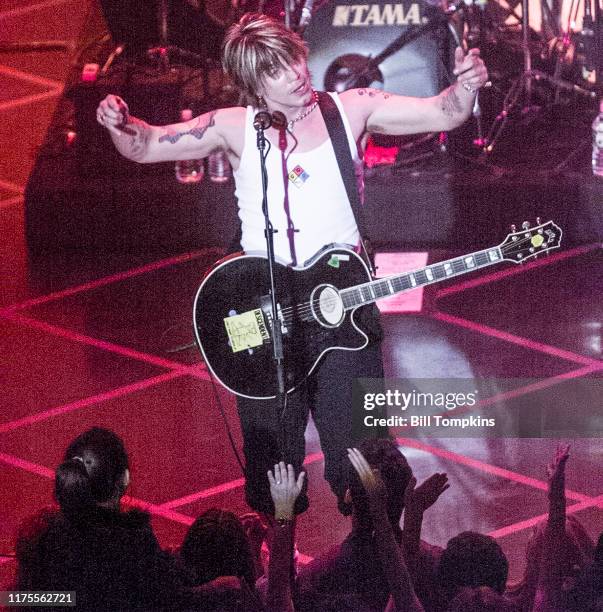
(283, 521)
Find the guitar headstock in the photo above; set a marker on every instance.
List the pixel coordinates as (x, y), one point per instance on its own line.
(519, 246)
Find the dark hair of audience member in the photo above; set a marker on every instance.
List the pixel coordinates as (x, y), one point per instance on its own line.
(480, 599)
(587, 594)
(216, 545)
(93, 472)
(472, 560)
(384, 455)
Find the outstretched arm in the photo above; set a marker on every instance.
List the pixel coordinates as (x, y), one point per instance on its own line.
(284, 490)
(383, 113)
(550, 575)
(194, 139)
(390, 554)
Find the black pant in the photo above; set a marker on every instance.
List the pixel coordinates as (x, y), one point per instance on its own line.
(327, 393)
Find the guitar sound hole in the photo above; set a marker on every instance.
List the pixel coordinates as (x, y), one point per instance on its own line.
(327, 307)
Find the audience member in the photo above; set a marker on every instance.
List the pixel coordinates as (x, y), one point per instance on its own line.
(574, 548)
(218, 555)
(216, 545)
(354, 567)
(284, 491)
(472, 560)
(587, 594)
(561, 556)
(109, 557)
(403, 597)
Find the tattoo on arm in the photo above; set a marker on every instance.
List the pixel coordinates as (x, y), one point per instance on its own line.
(198, 131)
(138, 140)
(451, 104)
(371, 93)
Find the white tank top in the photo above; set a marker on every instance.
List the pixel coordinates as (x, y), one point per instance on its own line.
(319, 208)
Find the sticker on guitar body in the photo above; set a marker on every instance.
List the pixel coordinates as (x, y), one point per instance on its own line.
(246, 330)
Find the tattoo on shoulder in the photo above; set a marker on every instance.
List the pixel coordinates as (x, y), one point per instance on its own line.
(371, 93)
(450, 103)
(198, 131)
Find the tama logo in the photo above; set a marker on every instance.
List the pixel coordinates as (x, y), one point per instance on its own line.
(377, 15)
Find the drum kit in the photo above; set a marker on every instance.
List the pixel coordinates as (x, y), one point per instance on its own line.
(550, 49)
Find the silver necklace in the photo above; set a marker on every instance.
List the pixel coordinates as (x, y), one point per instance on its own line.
(303, 115)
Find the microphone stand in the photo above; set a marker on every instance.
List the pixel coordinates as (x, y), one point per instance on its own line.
(277, 330)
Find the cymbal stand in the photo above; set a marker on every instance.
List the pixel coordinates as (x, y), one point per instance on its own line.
(163, 50)
(522, 88)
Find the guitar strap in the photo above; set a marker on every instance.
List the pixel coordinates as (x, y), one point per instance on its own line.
(339, 140)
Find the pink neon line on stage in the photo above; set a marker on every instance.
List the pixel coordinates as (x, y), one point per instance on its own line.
(12, 186)
(538, 385)
(90, 401)
(28, 466)
(32, 7)
(525, 524)
(304, 559)
(223, 488)
(29, 99)
(485, 467)
(30, 78)
(519, 340)
(157, 510)
(526, 389)
(11, 201)
(100, 344)
(107, 280)
(193, 497)
(516, 269)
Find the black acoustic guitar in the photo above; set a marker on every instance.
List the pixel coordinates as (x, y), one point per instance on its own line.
(232, 309)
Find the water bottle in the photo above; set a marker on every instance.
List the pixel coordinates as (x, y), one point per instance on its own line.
(598, 143)
(189, 170)
(218, 166)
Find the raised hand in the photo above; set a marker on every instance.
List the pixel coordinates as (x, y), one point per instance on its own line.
(284, 489)
(556, 470)
(418, 499)
(370, 478)
(113, 113)
(557, 465)
(470, 69)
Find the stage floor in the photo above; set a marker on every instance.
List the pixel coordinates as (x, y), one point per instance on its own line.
(90, 340)
(100, 345)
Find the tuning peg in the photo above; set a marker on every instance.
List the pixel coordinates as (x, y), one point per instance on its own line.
(513, 227)
(525, 225)
(538, 220)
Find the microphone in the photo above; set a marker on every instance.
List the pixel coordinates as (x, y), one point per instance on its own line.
(279, 121)
(262, 121)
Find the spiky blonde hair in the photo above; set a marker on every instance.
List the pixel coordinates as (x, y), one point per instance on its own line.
(256, 47)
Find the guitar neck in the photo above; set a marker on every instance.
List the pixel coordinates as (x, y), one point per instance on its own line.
(372, 291)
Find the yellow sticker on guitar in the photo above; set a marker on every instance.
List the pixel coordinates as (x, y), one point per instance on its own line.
(537, 240)
(246, 330)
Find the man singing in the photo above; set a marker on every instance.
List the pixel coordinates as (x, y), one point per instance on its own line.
(268, 63)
